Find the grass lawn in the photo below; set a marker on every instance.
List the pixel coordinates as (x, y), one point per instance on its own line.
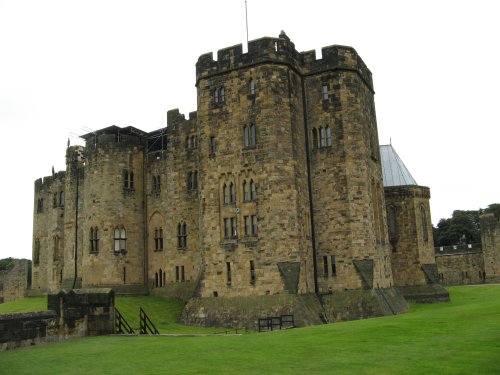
(24, 305)
(461, 337)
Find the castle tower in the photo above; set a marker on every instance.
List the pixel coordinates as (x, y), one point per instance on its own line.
(410, 231)
(348, 203)
(111, 233)
(253, 187)
(172, 195)
(490, 238)
(48, 232)
(73, 234)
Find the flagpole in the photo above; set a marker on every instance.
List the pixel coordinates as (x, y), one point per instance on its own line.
(246, 18)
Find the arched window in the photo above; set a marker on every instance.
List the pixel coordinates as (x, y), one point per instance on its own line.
(192, 180)
(213, 145)
(55, 252)
(128, 180)
(161, 277)
(328, 136)
(253, 190)
(232, 188)
(36, 252)
(246, 191)
(246, 136)
(227, 195)
(39, 207)
(94, 240)
(392, 225)
(250, 135)
(315, 138)
(251, 87)
(423, 218)
(322, 137)
(120, 240)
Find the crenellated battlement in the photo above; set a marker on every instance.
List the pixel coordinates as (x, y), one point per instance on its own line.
(46, 183)
(282, 51)
(177, 120)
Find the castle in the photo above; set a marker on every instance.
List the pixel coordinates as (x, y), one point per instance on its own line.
(270, 198)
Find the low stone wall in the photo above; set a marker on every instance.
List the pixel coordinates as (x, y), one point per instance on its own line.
(361, 304)
(461, 268)
(27, 329)
(180, 291)
(14, 282)
(77, 313)
(429, 293)
(309, 309)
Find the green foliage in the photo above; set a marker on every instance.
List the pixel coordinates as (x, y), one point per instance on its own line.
(494, 209)
(462, 227)
(6, 264)
(460, 337)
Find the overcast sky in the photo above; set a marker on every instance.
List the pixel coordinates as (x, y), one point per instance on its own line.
(70, 66)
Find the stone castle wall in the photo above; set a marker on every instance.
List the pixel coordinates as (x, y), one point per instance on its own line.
(15, 282)
(273, 186)
(490, 238)
(460, 266)
(411, 234)
(48, 231)
(75, 314)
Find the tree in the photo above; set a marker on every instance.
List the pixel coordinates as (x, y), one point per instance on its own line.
(494, 209)
(462, 227)
(6, 264)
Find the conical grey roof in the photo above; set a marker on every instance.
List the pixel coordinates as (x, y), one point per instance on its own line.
(394, 170)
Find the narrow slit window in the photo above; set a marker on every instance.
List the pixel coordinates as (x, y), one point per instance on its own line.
(228, 273)
(252, 272)
(334, 266)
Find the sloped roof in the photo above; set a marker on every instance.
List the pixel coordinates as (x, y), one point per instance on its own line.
(394, 170)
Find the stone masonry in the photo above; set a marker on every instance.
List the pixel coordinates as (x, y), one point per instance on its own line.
(272, 187)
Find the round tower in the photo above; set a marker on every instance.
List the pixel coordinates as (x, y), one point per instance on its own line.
(112, 208)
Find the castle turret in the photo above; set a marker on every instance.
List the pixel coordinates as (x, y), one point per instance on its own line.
(48, 232)
(410, 231)
(349, 218)
(112, 204)
(253, 170)
(490, 238)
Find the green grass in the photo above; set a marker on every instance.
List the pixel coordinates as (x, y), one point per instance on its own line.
(461, 337)
(162, 312)
(24, 305)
